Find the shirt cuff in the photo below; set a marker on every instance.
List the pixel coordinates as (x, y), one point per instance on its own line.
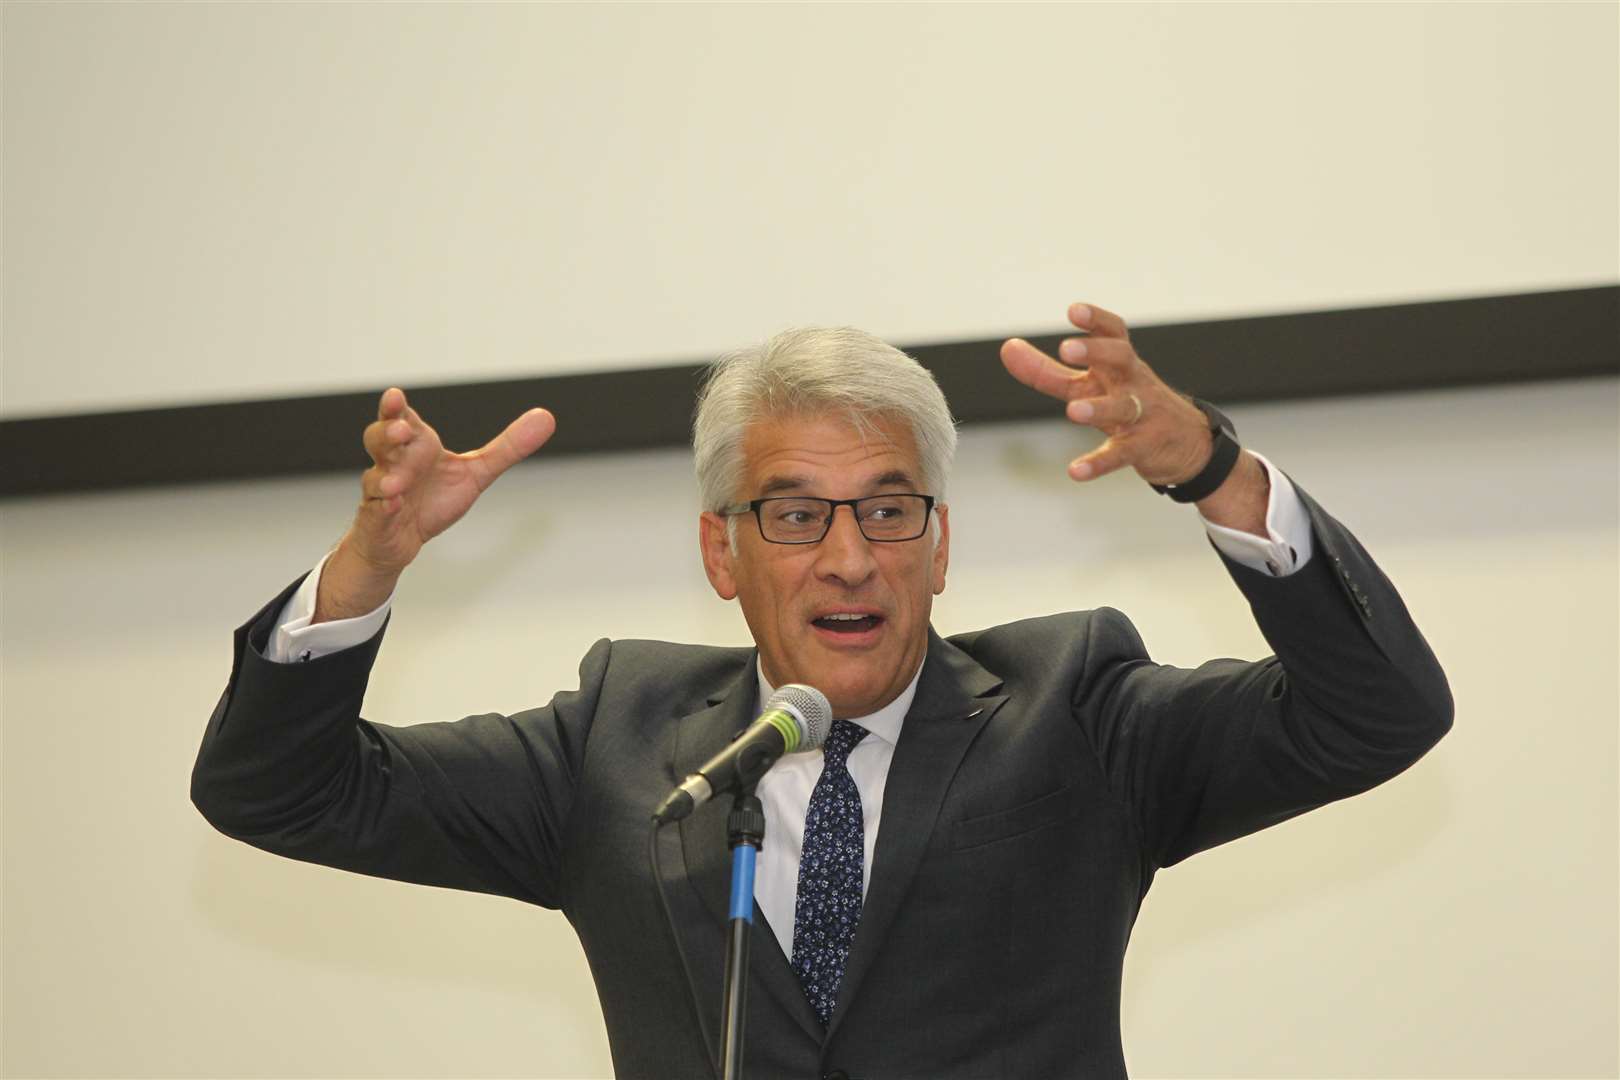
(1288, 545)
(295, 640)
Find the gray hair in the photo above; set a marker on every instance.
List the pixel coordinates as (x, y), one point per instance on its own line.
(840, 371)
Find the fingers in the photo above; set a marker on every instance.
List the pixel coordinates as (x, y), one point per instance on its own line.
(1100, 462)
(385, 440)
(1108, 358)
(400, 445)
(398, 427)
(1038, 371)
(397, 424)
(1099, 321)
(1108, 413)
(391, 404)
(521, 438)
(1106, 385)
(1113, 356)
(1114, 414)
(1111, 359)
(379, 483)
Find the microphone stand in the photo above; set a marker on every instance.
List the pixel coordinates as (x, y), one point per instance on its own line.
(745, 833)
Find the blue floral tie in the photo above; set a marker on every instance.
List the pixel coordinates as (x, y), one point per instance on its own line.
(828, 906)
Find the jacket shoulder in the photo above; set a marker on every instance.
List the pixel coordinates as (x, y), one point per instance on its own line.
(1046, 640)
(685, 676)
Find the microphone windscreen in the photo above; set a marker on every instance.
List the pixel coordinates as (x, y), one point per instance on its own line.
(810, 706)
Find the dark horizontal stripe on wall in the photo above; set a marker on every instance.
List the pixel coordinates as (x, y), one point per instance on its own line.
(1449, 343)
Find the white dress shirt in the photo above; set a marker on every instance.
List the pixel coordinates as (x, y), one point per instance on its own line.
(785, 789)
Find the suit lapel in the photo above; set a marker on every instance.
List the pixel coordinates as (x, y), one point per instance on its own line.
(773, 970)
(953, 702)
(703, 834)
(707, 861)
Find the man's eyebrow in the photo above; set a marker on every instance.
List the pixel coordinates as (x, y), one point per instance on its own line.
(786, 482)
(778, 483)
(894, 478)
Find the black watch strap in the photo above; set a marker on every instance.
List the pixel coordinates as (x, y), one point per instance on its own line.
(1220, 465)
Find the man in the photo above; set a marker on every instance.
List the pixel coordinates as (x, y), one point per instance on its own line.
(949, 887)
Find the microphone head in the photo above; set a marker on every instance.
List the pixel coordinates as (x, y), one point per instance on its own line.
(809, 707)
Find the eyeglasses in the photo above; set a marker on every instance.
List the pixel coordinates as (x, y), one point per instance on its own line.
(795, 519)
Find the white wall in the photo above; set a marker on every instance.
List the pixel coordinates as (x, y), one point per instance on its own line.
(171, 178)
(210, 202)
(1459, 921)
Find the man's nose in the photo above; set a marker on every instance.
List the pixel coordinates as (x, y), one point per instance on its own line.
(844, 553)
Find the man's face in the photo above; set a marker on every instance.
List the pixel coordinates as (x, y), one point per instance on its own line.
(787, 591)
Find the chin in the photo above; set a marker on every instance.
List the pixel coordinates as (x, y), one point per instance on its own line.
(853, 688)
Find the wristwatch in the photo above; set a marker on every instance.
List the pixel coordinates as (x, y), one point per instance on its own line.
(1225, 456)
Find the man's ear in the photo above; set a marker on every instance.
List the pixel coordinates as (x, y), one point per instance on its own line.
(715, 546)
(942, 550)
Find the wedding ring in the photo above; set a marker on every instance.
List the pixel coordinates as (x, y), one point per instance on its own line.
(1138, 403)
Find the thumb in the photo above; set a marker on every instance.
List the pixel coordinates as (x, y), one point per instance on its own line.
(521, 438)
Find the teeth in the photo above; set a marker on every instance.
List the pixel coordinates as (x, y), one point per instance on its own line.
(845, 616)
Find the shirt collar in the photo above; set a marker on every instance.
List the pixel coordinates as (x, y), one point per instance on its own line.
(883, 724)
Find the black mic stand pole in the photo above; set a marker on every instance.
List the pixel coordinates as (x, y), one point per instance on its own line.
(745, 833)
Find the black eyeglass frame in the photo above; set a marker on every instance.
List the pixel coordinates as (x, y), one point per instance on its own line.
(754, 506)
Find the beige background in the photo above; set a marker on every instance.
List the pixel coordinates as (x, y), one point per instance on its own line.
(209, 201)
(218, 201)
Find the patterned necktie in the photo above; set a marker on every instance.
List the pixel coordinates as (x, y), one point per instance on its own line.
(828, 905)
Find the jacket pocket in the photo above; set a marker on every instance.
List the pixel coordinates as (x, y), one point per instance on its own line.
(1017, 820)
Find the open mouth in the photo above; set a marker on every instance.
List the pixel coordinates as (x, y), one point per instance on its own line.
(848, 624)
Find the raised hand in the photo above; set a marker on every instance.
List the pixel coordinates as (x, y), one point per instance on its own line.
(1107, 386)
(414, 490)
(1150, 427)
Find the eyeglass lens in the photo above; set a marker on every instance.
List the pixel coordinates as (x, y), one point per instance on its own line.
(880, 517)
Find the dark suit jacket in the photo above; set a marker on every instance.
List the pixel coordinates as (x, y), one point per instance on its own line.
(1046, 770)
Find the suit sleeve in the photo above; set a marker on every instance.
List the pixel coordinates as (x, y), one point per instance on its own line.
(1352, 697)
(288, 765)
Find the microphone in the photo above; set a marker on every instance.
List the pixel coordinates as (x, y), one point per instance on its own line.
(797, 717)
